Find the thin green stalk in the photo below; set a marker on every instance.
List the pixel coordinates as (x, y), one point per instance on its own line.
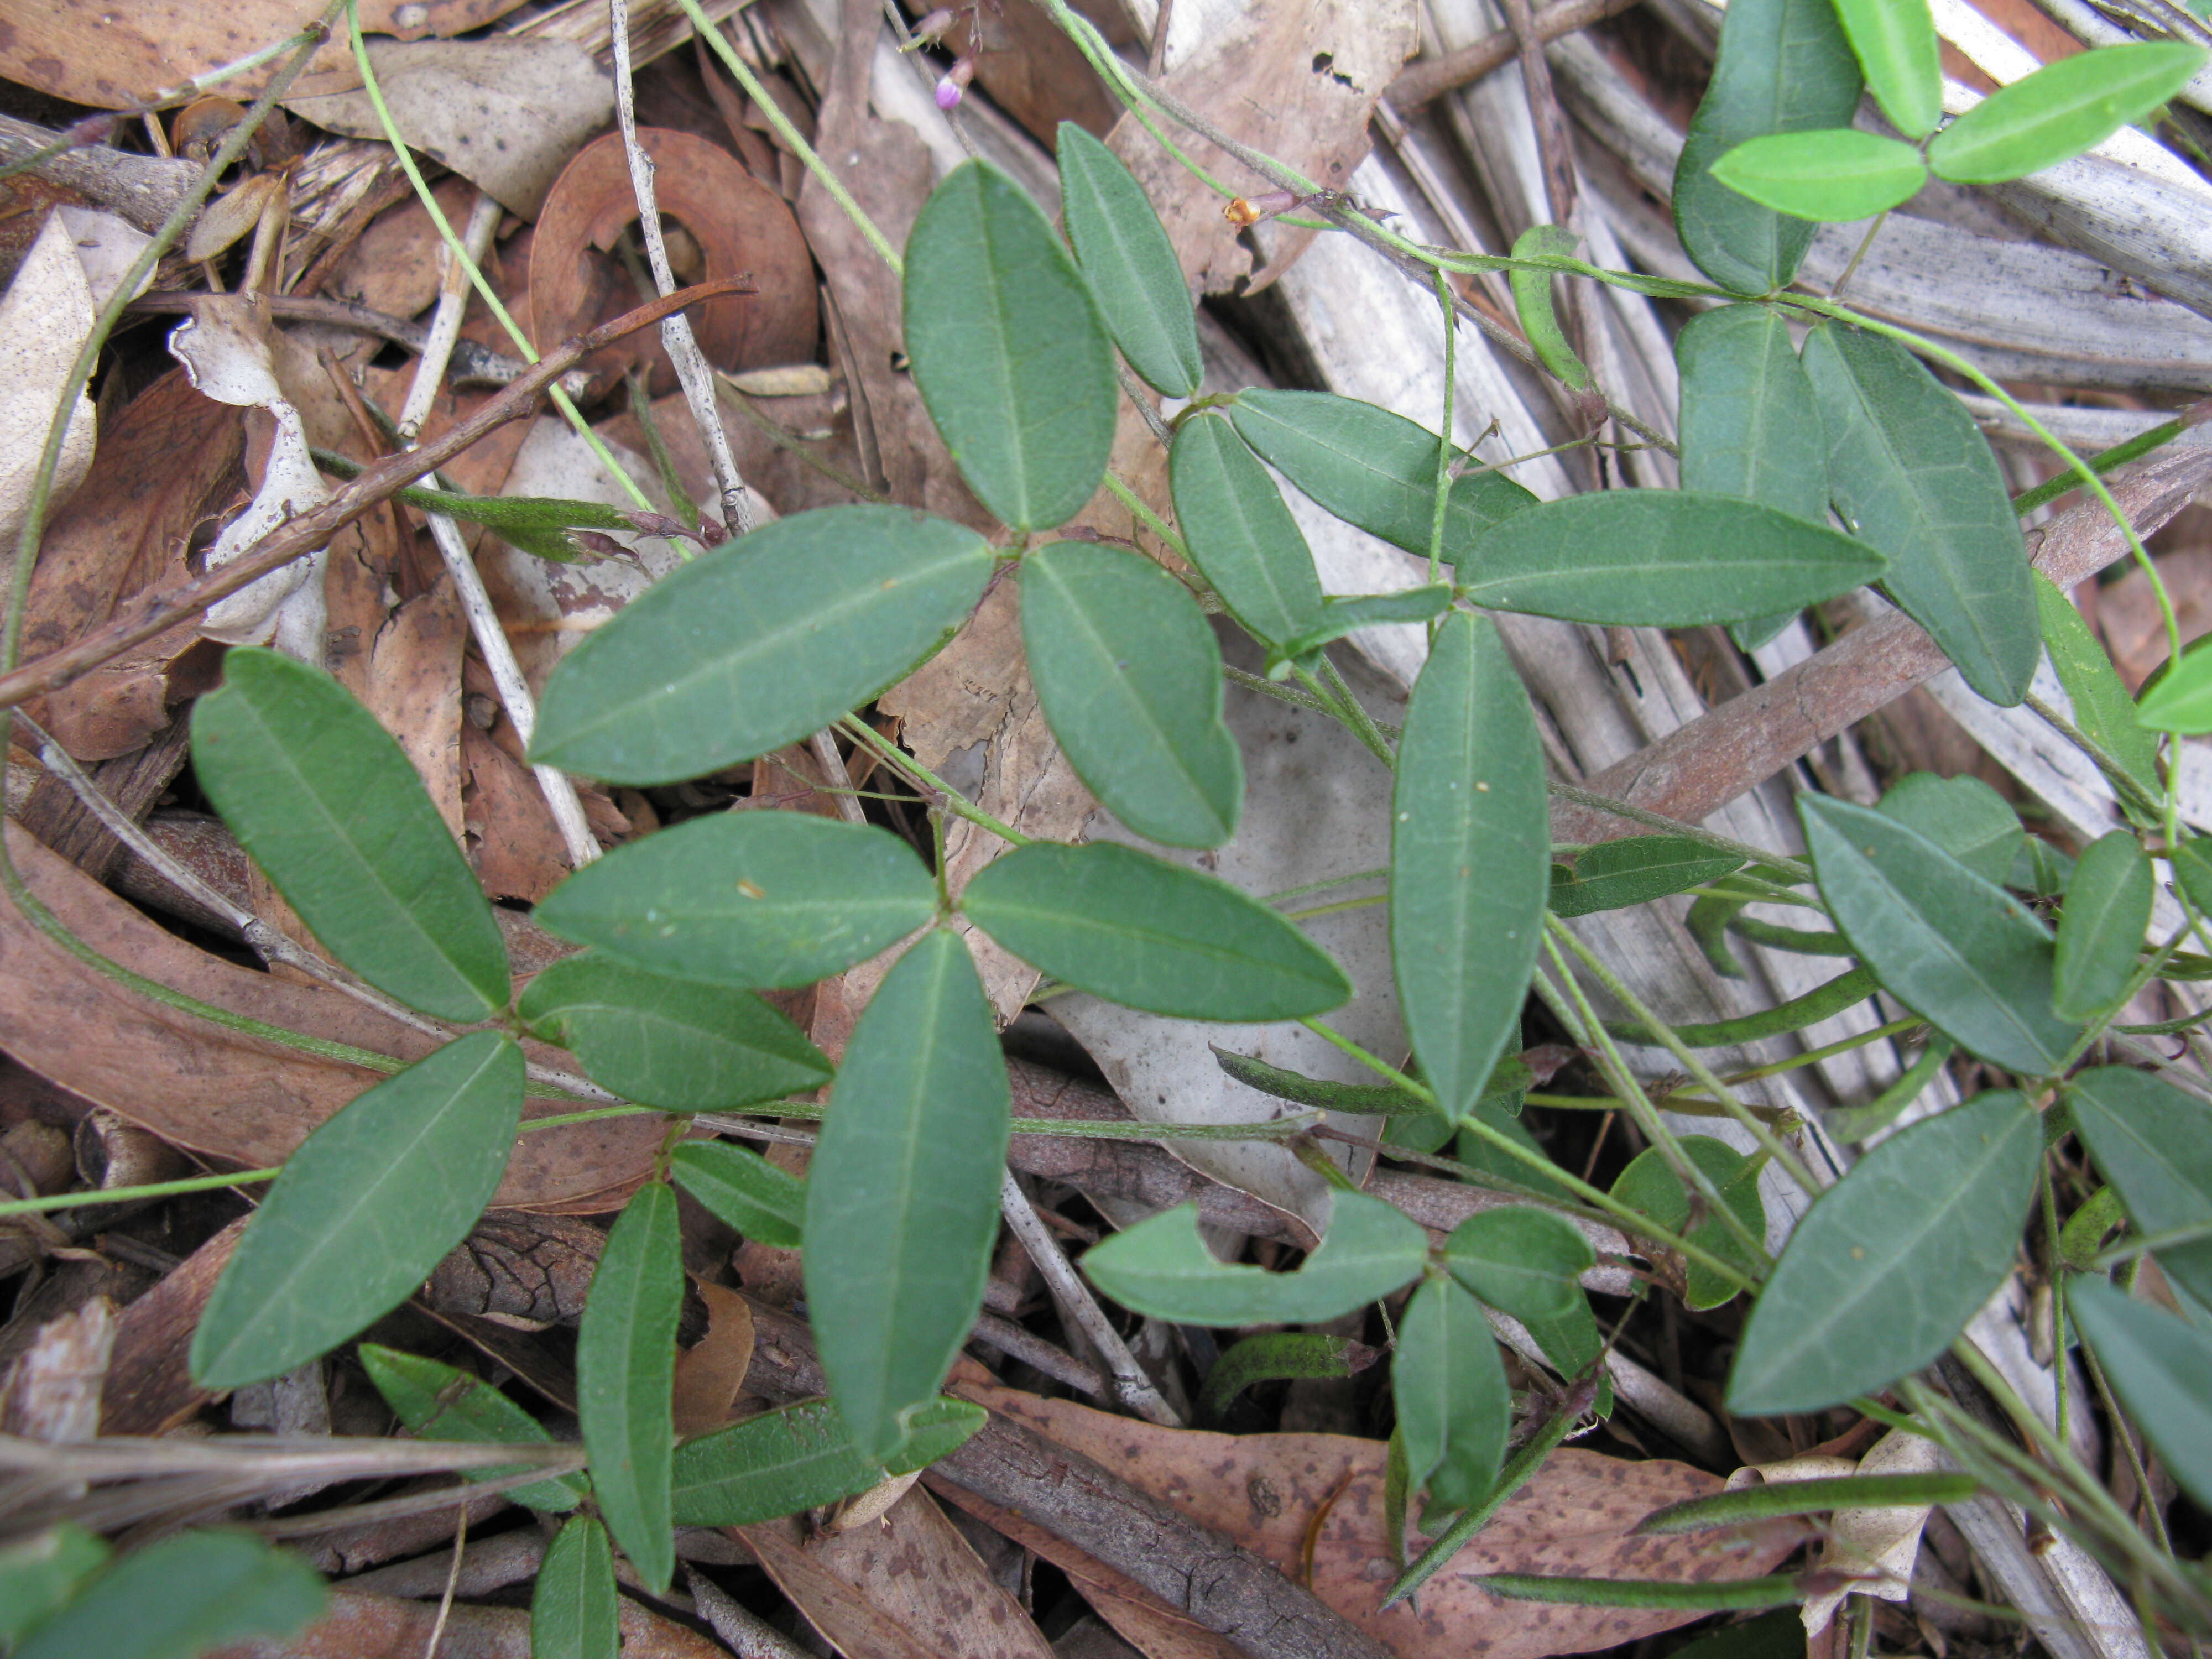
(2146, 970)
(1348, 713)
(1443, 440)
(132, 1194)
(1113, 1128)
(915, 773)
(2105, 460)
(1798, 940)
(2152, 1513)
(1290, 695)
(2123, 780)
(1324, 885)
(1146, 516)
(2057, 1281)
(1514, 1476)
(1364, 725)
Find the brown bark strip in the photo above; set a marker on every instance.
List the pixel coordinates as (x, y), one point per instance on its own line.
(1432, 76)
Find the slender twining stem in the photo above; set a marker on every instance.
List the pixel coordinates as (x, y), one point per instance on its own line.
(927, 781)
(1514, 1476)
(1444, 441)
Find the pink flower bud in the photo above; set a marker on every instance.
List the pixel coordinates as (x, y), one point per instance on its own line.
(954, 83)
(932, 26)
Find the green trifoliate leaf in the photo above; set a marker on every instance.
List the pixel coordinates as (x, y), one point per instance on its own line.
(1963, 816)
(179, 1598)
(1241, 535)
(626, 1376)
(1651, 1187)
(1130, 263)
(2102, 707)
(1834, 176)
(2060, 111)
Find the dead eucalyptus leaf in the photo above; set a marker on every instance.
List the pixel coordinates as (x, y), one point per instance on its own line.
(45, 317)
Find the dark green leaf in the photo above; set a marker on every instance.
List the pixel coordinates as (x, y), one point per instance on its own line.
(575, 1612)
(2155, 1144)
(1507, 1080)
(1954, 948)
(1780, 1634)
(800, 1457)
(1661, 558)
(1240, 534)
(1131, 266)
(1707, 1595)
(2157, 1365)
(743, 1190)
(2102, 708)
(1896, 44)
(680, 1044)
(1525, 1262)
(1340, 615)
(1008, 350)
(1453, 1406)
(759, 898)
(1276, 1356)
(330, 807)
(1635, 870)
(1650, 1187)
(1372, 468)
(758, 643)
(626, 1378)
(1890, 1263)
(1487, 1156)
(2108, 904)
(1963, 816)
(1783, 66)
(40, 1573)
(1161, 1267)
(1149, 934)
(1816, 1497)
(438, 1403)
(2180, 699)
(2062, 109)
(1836, 176)
(1130, 678)
(178, 1598)
(902, 1193)
(1916, 479)
(1576, 1348)
(1470, 853)
(370, 1202)
(2192, 868)
(1532, 298)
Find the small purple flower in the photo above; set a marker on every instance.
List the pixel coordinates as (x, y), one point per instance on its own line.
(955, 83)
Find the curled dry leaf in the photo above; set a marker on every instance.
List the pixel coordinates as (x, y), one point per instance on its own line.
(709, 1375)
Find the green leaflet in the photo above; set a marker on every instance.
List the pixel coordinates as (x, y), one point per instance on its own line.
(1340, 613)
(1651, 1187)
(1008, 350)
(1837, 175)
(1786, 1497)
(753, 899)
(1507, 1080)
(2062, 109)
(1241, 535)
(1129, 674)
(2191, 862)
(2155, 1144)
(1889, 1264)
(2157, 1365)
(40, 1573)
(1635, 870)
(760, 641)
(2102, 708)
(2108, 906)
(1784, 66)
(1661, 558)
(1275, 1356)
(1954, 948)
(1454, 1408)
(363, 1210)
(438, 1403)
(743, 1189)
(679, 1044)
(2179, 700)
(575, 1612)
(1575, 1348)
(1710, 1596)
(1532, 298)
(1149, 934)
(325, 802)
(2040, 870)
(1372, 468)
(902, 1193)
(1131, 265)
(626, 1377)
(1915, 478)
(800, 1457)
(1161, 1267)
(1963, 816)
(1470, 849)
(1521, 1261)
(178, 1598)
(1896, 44)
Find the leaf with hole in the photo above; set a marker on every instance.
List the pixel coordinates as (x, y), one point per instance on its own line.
(1130, 265)
(1963, 816)
(903, 1193)
(180, 1598)
(2108, 910)
(2155, 1144)
(1897, 48)
(751, 899)
(1241, 536)
(2157, 1365)
(438, 1403)
(575, 1612)
(1149, 934)
(800, 1457)
(370, 1202)
(330, 808)
(626, 1378)
(1833, 176)
(1521, 1261)
(1129, 675)
(743, 1190)
(1650, 1187)
(1891, 1262)
(1448, 1388)
(1635, 870)
(2062, 110)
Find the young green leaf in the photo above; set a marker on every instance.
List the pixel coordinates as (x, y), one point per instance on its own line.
(1661, 558)
(1783, 66)
(1129, 675)
(1008, 350)
(2108, 905)
(1896, 44)
(2180, 699)
(330, 808)
(752, 899)
(2062, 109)
(2038, 869)
(1954, 948)
(1470, 853)
(2102, 707)
(1161, 1267)
(1891, 1262)
(626, 1378)
(2155, 1144)
(1149, 934)
(743, 1189)
(1131, 265)
(902, 1193)
(1342, 614)
(1372, 468)
(40, 1573)
(679, 1044)
(1650, 1187)
(800, 1457)
(1276, 1356)
(364, 1209)
(2157, 1364)
(1833, 176)
(1532, 298)
(1635, 870)
(179, 1598)
(1963, 816)
(575, 1612)
(1521, 1261)
(1240, 534)
(760, 641)
(1453, 1408)
(438, 1403)
(1816, 1497)
(1915, 476)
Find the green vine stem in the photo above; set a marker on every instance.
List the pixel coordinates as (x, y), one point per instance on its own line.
(1847, 990)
